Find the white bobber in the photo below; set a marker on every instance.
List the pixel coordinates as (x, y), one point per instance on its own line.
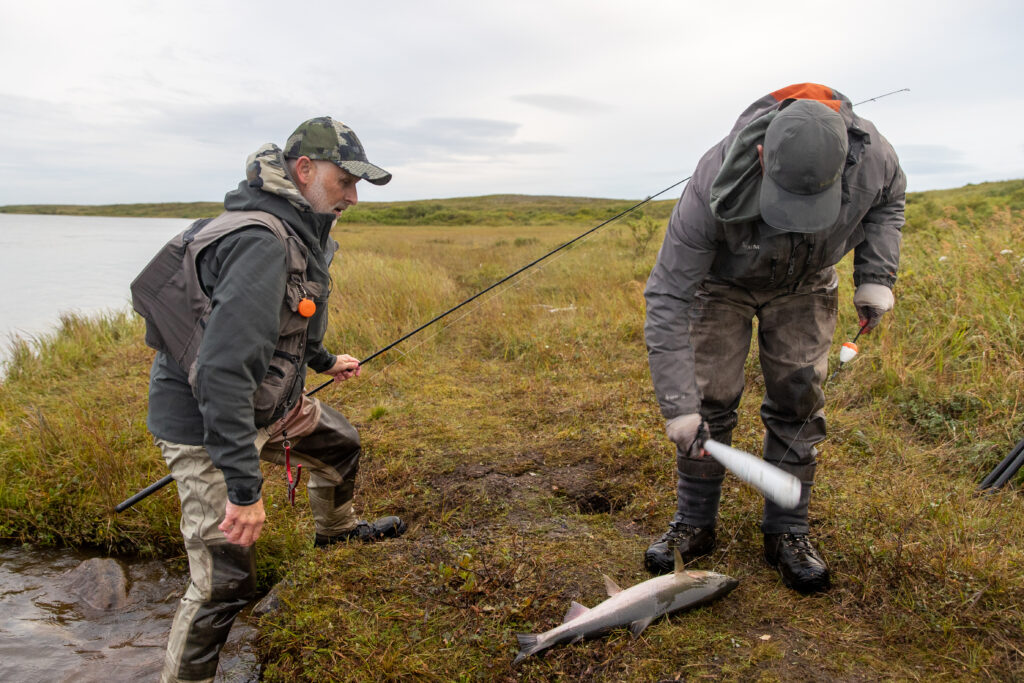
(847, 352)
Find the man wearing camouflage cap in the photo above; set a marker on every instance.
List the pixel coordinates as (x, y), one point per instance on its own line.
(237, 308)
(800, 181)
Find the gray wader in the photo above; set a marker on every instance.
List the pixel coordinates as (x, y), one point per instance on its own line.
(794, 333)
(223, 574)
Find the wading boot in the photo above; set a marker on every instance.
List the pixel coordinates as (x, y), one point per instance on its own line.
(801, 566)
(365, 532)
(692, 542)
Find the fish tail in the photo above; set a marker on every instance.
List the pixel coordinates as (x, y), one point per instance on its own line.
(529, 643)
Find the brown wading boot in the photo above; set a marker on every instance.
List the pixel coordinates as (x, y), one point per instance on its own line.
(692, 542)
(365, 532)
(801, 566)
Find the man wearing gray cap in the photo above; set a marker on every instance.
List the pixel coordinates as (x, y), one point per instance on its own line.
(236, 307)
(800, 181)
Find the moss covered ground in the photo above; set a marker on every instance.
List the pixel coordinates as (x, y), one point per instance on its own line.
(521, 441)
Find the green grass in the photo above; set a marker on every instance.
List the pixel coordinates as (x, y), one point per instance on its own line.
(521, 441)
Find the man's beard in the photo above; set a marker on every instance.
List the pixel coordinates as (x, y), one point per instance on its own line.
(316, 195)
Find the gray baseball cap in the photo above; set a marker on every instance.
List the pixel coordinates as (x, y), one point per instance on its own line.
(804, 153)
(325, 139)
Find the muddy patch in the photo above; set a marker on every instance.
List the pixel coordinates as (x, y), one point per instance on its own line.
(589, 488)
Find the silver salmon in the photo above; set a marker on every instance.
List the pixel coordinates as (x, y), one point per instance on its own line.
(636, 607)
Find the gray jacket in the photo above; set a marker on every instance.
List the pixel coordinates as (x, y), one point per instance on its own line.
(716, 233)
(246, 277)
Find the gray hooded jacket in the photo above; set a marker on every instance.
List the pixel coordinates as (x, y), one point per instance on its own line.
(716, 232)
(245, 275)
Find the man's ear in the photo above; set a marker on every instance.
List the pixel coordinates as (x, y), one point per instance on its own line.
(304, 171)
(760, 157)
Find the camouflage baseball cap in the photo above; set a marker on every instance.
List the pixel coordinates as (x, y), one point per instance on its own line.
(805, 149)
(325, 139)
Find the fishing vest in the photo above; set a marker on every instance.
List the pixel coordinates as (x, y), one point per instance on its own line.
(169, 295)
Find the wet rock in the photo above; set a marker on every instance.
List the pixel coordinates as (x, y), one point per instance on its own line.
(100, 583)
(271, 602)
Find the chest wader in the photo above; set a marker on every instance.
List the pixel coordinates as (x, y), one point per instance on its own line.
(795, 328)
(794, 332)
(169, 295)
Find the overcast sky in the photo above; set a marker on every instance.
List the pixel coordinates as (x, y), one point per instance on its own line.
(163, 101)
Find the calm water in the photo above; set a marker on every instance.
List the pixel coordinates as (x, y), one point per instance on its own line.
(51, 265)
(55, 264)
(48, 635)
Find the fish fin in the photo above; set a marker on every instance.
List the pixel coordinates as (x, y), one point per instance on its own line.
(610, 586)
(575, 610)
(679, 562)
(529, 643)
(638, 626)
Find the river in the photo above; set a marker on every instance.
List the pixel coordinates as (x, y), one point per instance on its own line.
(49, 633)
(51, 265)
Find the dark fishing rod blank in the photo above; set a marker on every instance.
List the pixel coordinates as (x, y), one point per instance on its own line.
(156, 486)
(152, 488)
(166, 480)
(505, 279)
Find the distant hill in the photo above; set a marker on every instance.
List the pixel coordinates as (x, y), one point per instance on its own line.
(166, 210)
(499, 209)
(516, 209)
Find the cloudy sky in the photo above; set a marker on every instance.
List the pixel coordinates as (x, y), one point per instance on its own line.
(162, 101)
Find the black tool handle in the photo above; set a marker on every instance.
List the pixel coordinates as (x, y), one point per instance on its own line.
(1005, 470)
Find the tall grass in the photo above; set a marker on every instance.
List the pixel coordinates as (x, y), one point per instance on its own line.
(521, 441)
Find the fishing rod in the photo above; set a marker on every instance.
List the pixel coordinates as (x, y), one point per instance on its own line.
(550, 253)
(156, 486)
(874, 99)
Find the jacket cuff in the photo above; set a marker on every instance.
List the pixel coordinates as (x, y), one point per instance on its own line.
(887, 280)
(245, 492)
(323, 361)
(677, 411)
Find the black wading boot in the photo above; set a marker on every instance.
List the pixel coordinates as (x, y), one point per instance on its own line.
(801, 566)
(365, 532)
(698, 490)
(692, 542)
